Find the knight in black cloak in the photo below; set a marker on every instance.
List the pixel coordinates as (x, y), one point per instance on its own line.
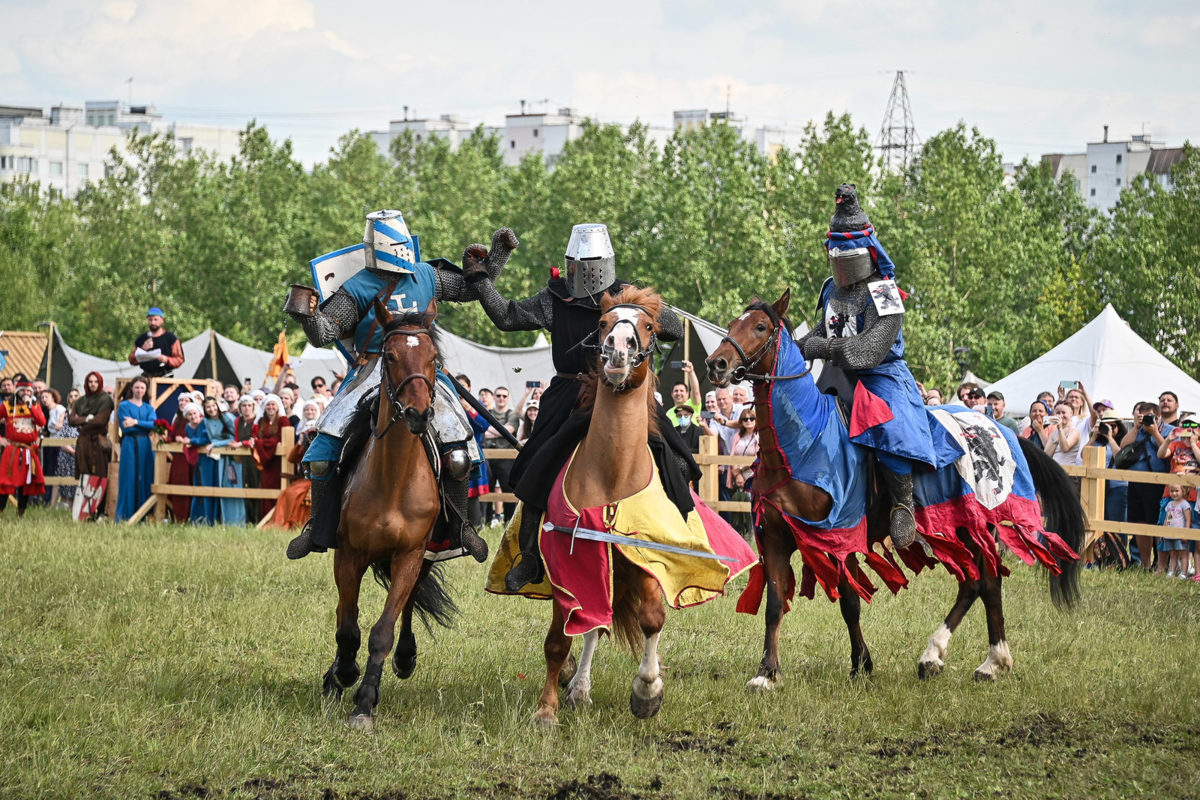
(569, 308)
(861, 331)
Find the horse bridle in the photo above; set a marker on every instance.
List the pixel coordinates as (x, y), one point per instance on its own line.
(392, 391)
(742, 371)
(640, 356)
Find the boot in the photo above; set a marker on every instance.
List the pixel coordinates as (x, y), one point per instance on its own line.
(903, 521)
(456, 496)
(530, 568)
(303, 544)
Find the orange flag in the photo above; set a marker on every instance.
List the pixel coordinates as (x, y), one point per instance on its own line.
(279, 358)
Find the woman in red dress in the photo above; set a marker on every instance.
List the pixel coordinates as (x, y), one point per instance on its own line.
(20, 466)
(267, 435)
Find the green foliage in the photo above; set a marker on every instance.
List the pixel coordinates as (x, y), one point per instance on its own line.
(1005, 267)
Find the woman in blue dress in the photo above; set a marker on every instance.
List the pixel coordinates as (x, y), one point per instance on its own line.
(204, 431)
(135, 417)
(233, 509)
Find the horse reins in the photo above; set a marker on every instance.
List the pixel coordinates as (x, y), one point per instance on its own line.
(392, 391)
(637, 359)
(742, 371)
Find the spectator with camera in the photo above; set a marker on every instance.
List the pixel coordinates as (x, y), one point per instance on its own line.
(1148, 434)
(685, 392)
(1063, 442)
(1000, 415)
(1035, 430)
(1108, 433)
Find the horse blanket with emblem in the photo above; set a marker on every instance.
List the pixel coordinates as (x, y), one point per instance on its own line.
(579, 571)
(988, 487)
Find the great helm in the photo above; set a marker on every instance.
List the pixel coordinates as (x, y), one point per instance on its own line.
(851, 265)
(389, 245)
(590, 261)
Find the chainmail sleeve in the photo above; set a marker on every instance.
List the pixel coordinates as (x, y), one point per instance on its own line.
(531, 314)
(817, 332)
(871, 346)
(335, 319)
(449, 284)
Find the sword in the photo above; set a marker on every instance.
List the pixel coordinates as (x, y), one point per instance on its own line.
(629, 541)
(481, 409)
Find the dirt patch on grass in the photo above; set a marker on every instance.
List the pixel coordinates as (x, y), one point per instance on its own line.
(604, 786)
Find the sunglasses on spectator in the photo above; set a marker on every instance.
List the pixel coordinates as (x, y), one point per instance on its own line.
(501, 396)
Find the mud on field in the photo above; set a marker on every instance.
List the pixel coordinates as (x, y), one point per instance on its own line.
(796, 761)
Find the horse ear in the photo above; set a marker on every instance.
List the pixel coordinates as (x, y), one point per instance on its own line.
(382, 315)
(430, 313)
(781, 305)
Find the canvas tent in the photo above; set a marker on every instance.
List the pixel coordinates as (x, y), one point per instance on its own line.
(1112, 361)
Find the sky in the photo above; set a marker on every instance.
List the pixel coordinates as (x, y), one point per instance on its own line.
(1037, 77)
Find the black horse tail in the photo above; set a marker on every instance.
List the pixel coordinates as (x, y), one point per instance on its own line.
(432, 600)
(1064, 516)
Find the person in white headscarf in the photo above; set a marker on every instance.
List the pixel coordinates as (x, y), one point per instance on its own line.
(308, 412)
(267, 435)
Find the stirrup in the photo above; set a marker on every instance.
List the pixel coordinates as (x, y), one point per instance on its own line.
(303, 544)
(902, 539)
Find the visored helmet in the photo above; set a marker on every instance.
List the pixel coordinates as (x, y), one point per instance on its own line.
(850, 265)
(389, 245)
(590, 261)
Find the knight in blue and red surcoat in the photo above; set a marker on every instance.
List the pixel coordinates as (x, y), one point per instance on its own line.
(861, 332)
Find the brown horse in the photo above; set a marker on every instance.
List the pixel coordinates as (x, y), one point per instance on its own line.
(611, 464)
(388, 511)
(750, 351)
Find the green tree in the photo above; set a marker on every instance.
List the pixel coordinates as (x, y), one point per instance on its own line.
(1148, 262)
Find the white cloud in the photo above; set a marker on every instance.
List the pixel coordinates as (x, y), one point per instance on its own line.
(120, 10)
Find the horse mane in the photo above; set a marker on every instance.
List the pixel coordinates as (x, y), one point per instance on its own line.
(652, 302)
(769, 310)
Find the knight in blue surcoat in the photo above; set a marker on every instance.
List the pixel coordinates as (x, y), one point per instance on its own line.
(392, 272)
(860, 330)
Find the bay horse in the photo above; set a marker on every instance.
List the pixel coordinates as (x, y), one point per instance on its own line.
(610, 481)
(388, 511)
(792, 514)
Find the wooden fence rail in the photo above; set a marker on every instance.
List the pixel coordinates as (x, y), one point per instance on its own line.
(1092, 475)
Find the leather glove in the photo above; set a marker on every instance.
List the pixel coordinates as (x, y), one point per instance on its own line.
(816, 347)
(475, 263)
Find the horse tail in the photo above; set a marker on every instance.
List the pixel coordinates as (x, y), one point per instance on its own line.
(626, 628)
(431, 598)
(1064, 516)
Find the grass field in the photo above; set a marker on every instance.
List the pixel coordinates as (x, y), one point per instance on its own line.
(177, 662)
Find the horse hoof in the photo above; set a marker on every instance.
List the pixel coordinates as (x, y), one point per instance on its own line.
(362, 722)
(929, 669)
(645, 708)
(568, 671)
(405, 670)
(544, 719)
(331, 691)
(577, 700)
(984, 677)
(761, 683)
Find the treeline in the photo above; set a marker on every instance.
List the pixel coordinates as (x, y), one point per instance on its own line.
(1007, 269)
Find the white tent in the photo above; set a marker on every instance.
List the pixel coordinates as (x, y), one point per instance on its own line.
(489, 367)
(1112, 361)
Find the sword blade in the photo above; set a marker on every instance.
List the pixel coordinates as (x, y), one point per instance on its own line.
(629, 541)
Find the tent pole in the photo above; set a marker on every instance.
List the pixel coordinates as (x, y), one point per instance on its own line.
(50, 355)
(212, 351)
(687, 339)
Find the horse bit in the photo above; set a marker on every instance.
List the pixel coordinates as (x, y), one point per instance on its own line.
(742, 371)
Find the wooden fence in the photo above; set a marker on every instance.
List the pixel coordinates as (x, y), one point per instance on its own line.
(1092, 474)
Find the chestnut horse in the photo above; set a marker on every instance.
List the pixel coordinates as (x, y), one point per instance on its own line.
(388, 511)
(612, 463)
(750, 351)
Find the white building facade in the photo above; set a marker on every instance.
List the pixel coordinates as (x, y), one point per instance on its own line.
(1106, 168)
(67, 148)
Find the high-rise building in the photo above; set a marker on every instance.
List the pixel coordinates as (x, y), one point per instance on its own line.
(1107, 167)
(68, 148)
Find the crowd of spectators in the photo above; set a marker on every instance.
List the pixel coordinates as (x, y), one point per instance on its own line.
(1156, 437)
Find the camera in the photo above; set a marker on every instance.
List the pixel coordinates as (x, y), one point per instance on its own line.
(707, 415)
(1050, 421)
(1148, 419)
(532, 384)
(676, 365)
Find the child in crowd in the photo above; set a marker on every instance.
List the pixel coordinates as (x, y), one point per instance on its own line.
(1173, 560)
